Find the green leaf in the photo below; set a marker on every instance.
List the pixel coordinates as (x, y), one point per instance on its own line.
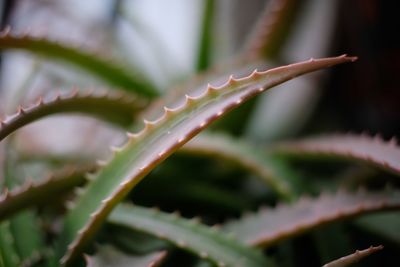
(159, 139)
(256, 161)
(8, 254)
(118, 109)
(371, 150)
(353, 258)
(101, 68)
(204, 241)
(24, 227)
(107, 256)
(27, 235)
(204, 54)
(134, 242)
(33, 193)
(384, 225)
(270, 226)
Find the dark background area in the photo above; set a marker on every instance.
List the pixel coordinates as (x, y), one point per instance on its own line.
(365, 96)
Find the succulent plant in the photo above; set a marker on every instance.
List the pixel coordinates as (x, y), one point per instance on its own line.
(243, 202)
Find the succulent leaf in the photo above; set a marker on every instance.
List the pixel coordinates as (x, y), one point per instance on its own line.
(107, 256)
(23, 227)
(35, 193)
(204, 53)
(269, 226)
(372, 150)
(8, 254)
(99, 67)
(119, 109)
(247, 156)
(204, 241)
(271, 29)
(159, 139)
(383, 225)
(353, 258)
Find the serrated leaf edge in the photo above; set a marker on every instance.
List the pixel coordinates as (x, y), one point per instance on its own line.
(270, 78)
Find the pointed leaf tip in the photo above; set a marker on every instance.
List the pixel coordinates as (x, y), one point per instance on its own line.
(353, 258)
(142, 155)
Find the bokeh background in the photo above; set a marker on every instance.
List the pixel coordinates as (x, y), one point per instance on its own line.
(162, 39)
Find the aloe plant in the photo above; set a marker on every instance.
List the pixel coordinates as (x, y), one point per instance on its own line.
(173, 192)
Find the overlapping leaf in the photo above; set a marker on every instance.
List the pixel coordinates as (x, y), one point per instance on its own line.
(269, 226)
(271, 29)
(157, 141)
(205, 242)
(39, 192)
(373, 150)
(247, 156)
(108, 256)
(118, 109)
(101, 68)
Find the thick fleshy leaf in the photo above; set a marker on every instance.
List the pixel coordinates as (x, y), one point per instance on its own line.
(119, 109)
(108, 256)
(204, 53)
(159, 139)
(373, 150)
(247, 156)
(8, 254)
(39, 192)
(195, 85)
(271, 29)
(269, 226)
(206, 242)
(24, 227)
(353, 258)
(383, 225)
(99, 67)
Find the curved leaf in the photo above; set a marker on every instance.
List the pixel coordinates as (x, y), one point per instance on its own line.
(269, 226)
(353, 258)
(204, 241)
(101, 68)
(159, 139)
(373, 150)
(34, 193)
(195, 85)
(24, 227)
(118, 109)
(108, 256)
(271, 29)
(246, 156)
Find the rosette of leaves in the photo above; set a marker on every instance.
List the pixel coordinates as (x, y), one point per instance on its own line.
(170, 196)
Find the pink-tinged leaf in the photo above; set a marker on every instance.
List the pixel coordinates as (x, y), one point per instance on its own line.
(95, 64)
(158, 140)
(108, 256)
(271, 29)
(269, 226)
(39, 192)
(119, 109)
(353, 258)
(373, 150)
